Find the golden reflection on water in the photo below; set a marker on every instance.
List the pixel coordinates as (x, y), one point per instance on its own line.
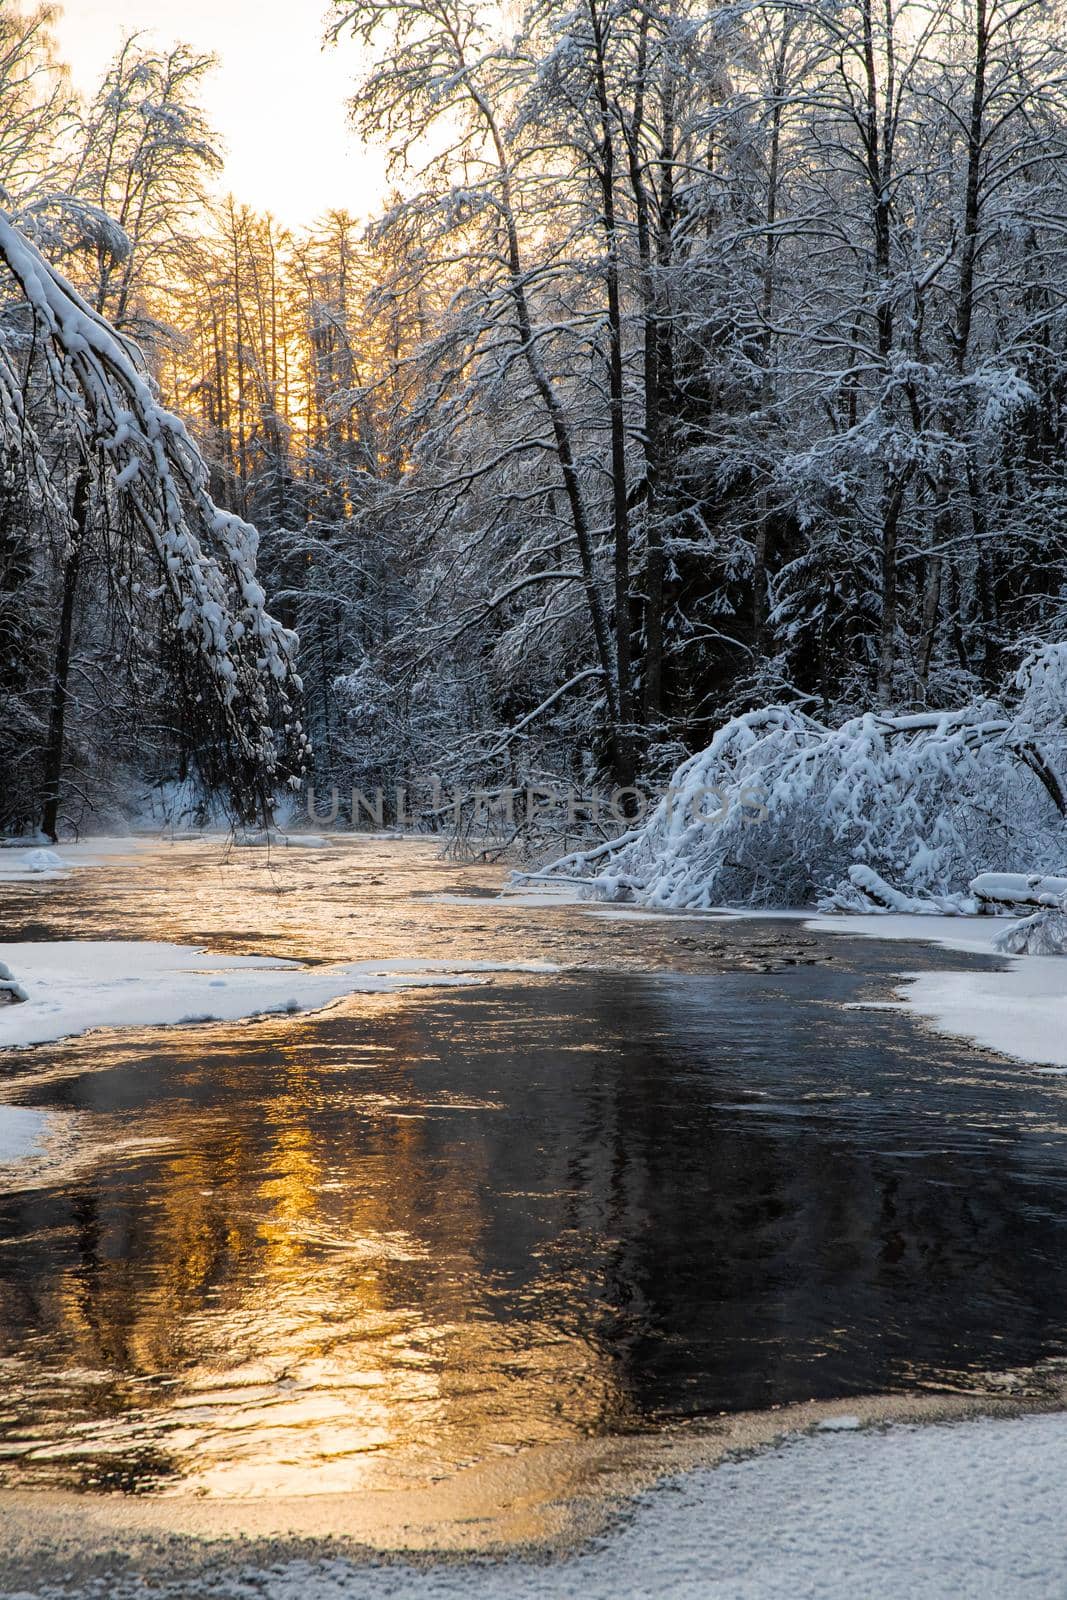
(257, 1339)
(266, 1307)
(363, 1249)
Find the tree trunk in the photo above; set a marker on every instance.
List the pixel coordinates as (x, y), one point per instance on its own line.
(625, 765)
(57, 716)
(887, 646)
(546, 390)
(931, 611)
(657, 382)
(767, 386)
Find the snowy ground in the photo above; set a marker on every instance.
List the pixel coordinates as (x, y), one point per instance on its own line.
(932, 1513)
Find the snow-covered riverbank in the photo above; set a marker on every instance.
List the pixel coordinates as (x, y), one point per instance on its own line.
(1019, 1011)
(934, 1513)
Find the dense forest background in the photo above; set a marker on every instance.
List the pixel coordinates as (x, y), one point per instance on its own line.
(701, 358)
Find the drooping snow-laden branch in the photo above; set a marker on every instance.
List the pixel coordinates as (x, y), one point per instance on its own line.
(891, 812)
(206, 557)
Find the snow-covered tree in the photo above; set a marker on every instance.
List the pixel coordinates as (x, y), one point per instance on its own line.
(104, 465)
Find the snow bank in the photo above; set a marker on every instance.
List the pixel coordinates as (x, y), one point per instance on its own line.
(75, 985)
(945, 1512)
(975, 935)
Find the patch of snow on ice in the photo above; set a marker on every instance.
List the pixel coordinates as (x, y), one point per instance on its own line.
(22, 1130)
(18, 864)
(32, 862)
(76, 985)
(1019, 1012)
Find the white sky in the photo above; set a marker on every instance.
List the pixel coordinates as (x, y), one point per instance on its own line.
(277, 99)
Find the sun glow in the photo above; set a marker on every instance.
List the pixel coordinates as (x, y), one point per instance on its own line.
(278, 98)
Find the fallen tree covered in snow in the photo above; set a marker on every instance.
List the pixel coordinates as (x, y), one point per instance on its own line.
(1044, 933)
(882, 813)
(1020, 889)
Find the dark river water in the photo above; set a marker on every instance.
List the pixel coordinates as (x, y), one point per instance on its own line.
(681, 1177)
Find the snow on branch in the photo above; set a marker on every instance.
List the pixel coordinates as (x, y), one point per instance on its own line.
(882, 813)
(206, 557)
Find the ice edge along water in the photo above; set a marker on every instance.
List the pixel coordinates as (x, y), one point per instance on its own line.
(75, 985)
(944, 1512)
(78, 985)
(1018, 1011)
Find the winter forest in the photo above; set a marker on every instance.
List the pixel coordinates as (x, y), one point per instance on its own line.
(698, 393)
(533, 799)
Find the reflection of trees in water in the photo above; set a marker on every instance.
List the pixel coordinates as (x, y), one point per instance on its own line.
(812, 1211)
(304, 1252)
(420, 1227)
